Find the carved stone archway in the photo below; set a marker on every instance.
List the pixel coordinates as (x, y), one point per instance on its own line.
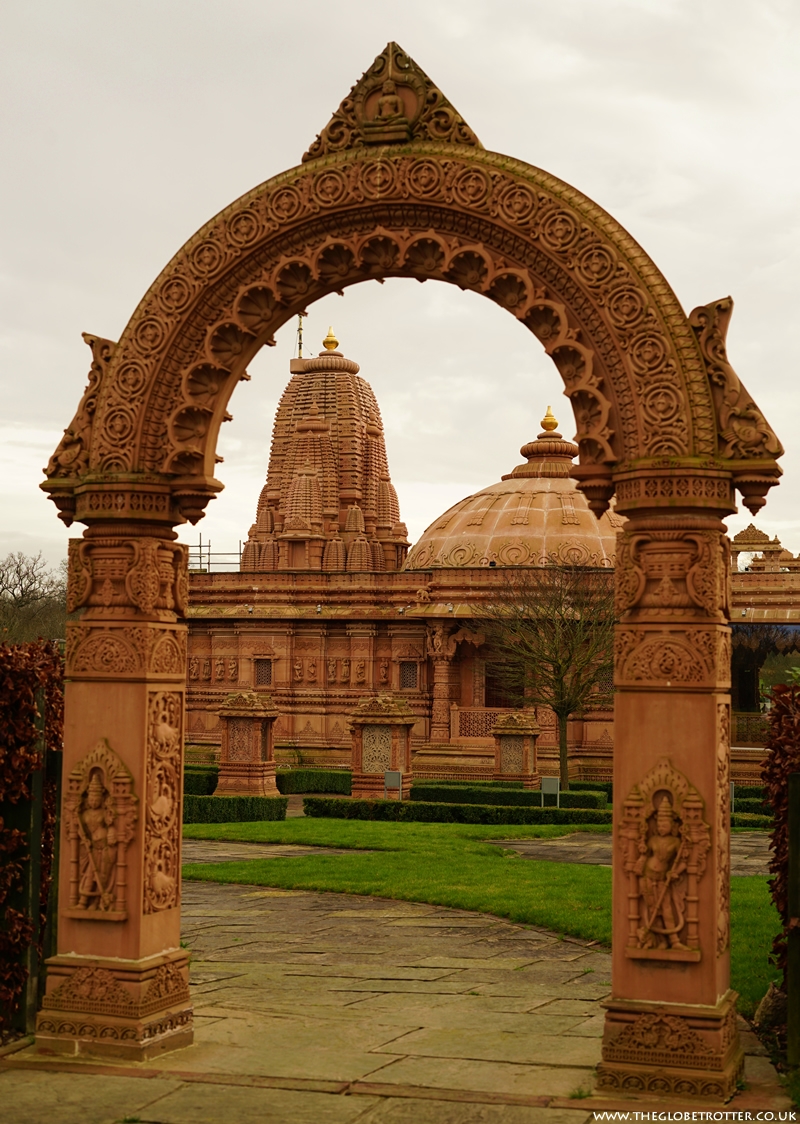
(398, 185)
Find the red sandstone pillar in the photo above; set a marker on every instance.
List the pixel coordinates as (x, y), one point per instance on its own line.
(441, 649)
(247, 759)
(515, 738)
(671, 1022)
(118, 985)
(381, 730)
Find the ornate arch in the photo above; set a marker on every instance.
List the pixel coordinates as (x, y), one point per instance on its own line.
(647, 384)
(397, 185)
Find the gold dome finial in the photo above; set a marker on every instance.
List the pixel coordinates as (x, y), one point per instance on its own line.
(549, 423)
(330, 343)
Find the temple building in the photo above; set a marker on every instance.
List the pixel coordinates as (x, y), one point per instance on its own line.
(330, 605)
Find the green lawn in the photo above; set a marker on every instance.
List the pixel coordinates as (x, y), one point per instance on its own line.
(452, 865)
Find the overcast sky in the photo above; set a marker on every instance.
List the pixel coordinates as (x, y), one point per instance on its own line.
(127, 126)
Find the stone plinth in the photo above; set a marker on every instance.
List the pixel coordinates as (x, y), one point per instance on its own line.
(515, 738)
(381, 731)
(247, 760)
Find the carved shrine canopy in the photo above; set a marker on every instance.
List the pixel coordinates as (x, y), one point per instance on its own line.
(398, 185)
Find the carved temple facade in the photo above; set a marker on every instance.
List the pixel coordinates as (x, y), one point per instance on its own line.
(329, 605)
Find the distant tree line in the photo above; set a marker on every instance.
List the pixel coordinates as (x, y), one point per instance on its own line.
(33, 599)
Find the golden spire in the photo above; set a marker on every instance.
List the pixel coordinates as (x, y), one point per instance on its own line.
(549, 423)
(330, 343)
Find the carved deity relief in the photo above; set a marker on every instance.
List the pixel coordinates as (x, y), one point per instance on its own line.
(331, 670)
(99, 818)
(345, 671)
(664, 842)
(298, 671)
(312, 671)
(194, 669)
(162, 809)
(361, 672)
(233, 670)
(441, 645)
(206, 670)
(219, 670)
(383, 672)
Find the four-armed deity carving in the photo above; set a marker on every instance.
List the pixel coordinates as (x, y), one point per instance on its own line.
(99, 817)
(664, 842)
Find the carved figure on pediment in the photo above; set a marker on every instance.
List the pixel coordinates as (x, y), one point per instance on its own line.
(390, 105)
(441, 646)
(664, 842)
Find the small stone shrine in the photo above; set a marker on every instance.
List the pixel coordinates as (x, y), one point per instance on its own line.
(247, 759)
(515, 737)
(381, 731)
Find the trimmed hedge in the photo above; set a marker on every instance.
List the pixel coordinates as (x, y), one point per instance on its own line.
(233, 809)
(418, 812)
(479, 795)
(593, 786)
(749, 792)
(755, 823)
(200, 781)
(751, 805)
(467, 784)
(314, 780)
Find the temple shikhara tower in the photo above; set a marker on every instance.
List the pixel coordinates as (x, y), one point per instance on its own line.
(328, 503)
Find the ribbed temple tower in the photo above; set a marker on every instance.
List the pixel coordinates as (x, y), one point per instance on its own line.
(328, 503)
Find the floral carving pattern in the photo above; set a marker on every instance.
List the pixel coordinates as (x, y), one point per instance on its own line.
(723, 827)
(162, 811)
(376, 756)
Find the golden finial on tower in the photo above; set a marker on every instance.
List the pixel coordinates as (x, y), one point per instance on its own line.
(330, 343)
(549, 423)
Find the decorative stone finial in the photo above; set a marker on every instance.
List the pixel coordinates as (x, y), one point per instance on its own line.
(549, 423)
(330, 343)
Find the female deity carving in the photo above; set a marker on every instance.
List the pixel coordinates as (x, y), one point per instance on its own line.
(97, 847)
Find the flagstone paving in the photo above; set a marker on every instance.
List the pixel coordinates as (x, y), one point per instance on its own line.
(315, 1008)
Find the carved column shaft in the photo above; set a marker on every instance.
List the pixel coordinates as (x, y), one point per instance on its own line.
(440, 707)
(670, 1026)
(119, 982)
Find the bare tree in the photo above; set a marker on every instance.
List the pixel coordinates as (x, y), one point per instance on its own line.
(551, 634)
(33, 599)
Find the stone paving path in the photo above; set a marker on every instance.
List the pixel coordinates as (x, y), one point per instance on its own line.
(318, 1008)
(750, 853)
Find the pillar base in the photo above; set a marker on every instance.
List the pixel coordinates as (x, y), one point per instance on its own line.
(670, 1049)
(131, 1009)
(370, 786)
(246, 779)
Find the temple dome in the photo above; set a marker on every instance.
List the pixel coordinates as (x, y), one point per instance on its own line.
(533, 516)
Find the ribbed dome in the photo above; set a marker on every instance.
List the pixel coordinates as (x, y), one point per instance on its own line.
(533, 516)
